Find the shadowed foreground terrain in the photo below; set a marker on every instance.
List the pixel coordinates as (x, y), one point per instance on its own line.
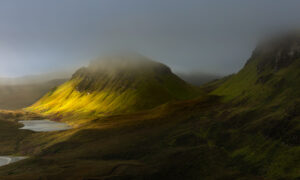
(245, 126)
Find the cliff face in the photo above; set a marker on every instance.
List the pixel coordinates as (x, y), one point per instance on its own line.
(278, 53)
(271, 72)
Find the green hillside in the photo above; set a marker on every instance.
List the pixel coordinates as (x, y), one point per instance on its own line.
(271, 74)
(244, 126)
(261, 122)
(123, 83)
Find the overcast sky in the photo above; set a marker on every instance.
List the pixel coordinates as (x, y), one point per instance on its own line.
(212, 36)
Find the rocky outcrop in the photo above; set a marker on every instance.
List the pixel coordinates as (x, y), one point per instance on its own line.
(277, 53)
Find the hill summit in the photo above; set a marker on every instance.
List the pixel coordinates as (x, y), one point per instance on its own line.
(277, 53)
(119, 83)
(123, 70)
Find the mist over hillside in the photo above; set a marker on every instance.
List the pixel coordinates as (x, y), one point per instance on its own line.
(20, 92)
(149, 90)
(198, 78)
(133, 118)
(38, 78)
(19, 95)
(144, 122)
(116, 84)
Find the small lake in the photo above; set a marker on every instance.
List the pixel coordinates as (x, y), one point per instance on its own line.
(44, 125)
(5, 160)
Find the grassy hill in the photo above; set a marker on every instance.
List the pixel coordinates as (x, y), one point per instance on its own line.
(261, 121)
(271, 74)
(123, 83)
(245, 126)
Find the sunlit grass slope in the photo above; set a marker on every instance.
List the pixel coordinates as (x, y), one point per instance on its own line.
(248, 131)
(123, 83)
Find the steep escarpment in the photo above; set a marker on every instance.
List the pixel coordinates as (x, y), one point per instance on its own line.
(268, 88)
(122, 83)
(260, 123)
(271, 74)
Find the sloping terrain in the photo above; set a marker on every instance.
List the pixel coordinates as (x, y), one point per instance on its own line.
(246, 126)
(166, 142)
(272, 73)
(260, 124)
(18, 96)
(124, 83)
(198, 78)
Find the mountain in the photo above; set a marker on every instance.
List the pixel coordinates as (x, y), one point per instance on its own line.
(244, 126)
(271, 74)
(120, 83)
(259, 124)
(18, 96)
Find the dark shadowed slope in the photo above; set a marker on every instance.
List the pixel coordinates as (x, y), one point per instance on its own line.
(260, 124)
(246, 128)
(271, 74)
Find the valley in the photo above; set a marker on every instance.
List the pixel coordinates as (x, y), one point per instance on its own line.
(149, 90)
(132, 118)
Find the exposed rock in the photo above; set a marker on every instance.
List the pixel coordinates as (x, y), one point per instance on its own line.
(277, 53)
(263, 79)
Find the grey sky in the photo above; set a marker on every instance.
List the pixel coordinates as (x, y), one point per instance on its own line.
(212, 36)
